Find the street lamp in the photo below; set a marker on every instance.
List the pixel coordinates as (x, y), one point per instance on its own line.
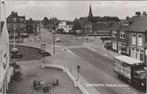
(14, 49)
(39, 31)
(43, 47)
(14, 28)
(78, 71)
(53, 32)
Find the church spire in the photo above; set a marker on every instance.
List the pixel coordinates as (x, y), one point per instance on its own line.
(90, 12)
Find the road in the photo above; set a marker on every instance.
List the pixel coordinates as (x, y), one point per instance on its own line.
(103, 76)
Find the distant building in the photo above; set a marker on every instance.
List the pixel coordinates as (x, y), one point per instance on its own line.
(101, 29)
(95, 25)
(64, 27)
(32, 26)
(19, 24)
(88, 25)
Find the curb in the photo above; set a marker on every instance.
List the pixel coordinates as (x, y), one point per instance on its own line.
(66, 70)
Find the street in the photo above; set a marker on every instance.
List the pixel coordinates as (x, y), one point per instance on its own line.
(103, 75)
(92, 47)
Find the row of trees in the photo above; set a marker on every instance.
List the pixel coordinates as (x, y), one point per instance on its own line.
(78, 24)
(51, 23)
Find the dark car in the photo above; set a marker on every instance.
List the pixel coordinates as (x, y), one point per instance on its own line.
(45, 54)
(108, 45)
(17, 55)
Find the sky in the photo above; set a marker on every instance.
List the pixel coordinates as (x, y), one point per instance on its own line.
(69, 10)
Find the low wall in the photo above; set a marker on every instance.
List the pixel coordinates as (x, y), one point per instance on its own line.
(76, 83)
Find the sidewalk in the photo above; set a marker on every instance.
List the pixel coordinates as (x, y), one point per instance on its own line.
(98, 47)
(25, 86)
(68, 60)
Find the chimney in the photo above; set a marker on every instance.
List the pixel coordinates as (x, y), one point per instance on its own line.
(12, 12)
(127, 17)
(137, 13)
(144, 13)
(16, 13)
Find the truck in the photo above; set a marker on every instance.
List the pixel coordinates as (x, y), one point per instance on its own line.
(130, 70)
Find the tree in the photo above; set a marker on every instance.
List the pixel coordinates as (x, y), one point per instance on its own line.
(45, 21)
(53, 23)
(76, 25)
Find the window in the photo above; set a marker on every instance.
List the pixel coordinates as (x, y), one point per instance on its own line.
(21, 19)
(122, 35)
(114, 45)
(126, 23)
(134, 39)
(133, 53)
(141, 57)
(114, 34)
(139, 40)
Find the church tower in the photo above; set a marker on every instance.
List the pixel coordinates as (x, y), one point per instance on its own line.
(90, 15)
(90, 12)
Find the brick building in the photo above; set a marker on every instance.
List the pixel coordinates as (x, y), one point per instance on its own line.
(130, 35)
(16, 21)
(32, 26)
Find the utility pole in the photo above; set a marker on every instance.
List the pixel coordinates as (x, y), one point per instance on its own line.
(53, 42)
(14, 28)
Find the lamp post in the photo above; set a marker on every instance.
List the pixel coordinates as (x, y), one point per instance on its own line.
(40, 31)
(14, 28)
(78, 71)
(53, 32)
(14, 49)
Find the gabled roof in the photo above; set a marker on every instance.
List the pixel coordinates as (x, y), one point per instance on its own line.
(14, 15)
(136, 24)
(139, 25)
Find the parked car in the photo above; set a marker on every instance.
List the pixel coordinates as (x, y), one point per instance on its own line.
(45, 54)
(58, 39)
(24, 35)
(17, 55)
(108, 45)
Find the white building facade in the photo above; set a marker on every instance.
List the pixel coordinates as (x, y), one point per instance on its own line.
(65, 26)
(4, 53)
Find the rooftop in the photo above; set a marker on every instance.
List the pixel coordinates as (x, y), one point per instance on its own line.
(15, 15)
(139, 24)
(128, 60)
